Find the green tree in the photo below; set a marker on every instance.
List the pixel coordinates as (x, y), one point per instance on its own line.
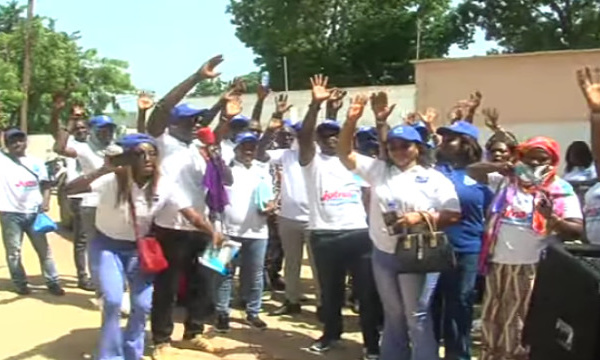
(217, 86)
(355, 42)
(523, 25)
(59, 65)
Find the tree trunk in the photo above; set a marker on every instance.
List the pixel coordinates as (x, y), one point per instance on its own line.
(27, 65)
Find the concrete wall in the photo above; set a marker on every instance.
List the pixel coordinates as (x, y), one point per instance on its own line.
(535, 93)
(402, 95)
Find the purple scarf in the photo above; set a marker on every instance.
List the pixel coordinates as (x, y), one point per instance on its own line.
(216, 196)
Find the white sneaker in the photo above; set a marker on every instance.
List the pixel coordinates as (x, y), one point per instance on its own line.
(125, 305)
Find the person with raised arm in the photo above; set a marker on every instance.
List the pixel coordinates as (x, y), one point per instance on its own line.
(403, 187)
(182, 233)
(589, 83)
(130, 192)
(76, 134)
(292, 220)
(337, 218)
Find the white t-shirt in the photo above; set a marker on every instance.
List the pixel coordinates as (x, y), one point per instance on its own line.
(227, 151)
(242, 217)
(334, 196)
(72, 166)
(19, 189)
(517, 243)
(495, 180)
(416, 189)
(183, 165)
(113, 218)
(581, 174)
(294, 204)
(89, 161)
(591, 209)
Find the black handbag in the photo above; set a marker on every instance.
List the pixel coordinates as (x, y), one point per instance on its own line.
(425, 250)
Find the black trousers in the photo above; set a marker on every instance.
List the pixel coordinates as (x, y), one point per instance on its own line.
(274, 257)
(80, 239)
(181, 249)
(336, 253)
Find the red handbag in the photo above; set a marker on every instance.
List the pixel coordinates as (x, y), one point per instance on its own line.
(151, 257)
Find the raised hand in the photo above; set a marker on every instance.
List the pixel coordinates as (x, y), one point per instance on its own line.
(590, 87)
(262, 92)
(207, 71)
(429, 117)
(281, 104)
(336, 100)
(144, 101)
(58, 101)
(238, 86)
(357, 106)
(380, 107)
(77, 111)
(491, 118)
(233, 106)
(319, 88)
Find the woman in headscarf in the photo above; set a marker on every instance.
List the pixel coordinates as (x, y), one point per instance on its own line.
(129, 195)
(532, 207)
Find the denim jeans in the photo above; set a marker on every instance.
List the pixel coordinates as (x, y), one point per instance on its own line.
(453, 307)
(405, 336)
(117, 261)
(251, 260)
(14, 225)
(80, 240)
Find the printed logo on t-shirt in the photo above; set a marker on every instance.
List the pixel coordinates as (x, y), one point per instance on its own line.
(347, 195)
(421, 179)
(517, 217)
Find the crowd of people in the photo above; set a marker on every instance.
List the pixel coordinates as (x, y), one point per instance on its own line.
(360, 199)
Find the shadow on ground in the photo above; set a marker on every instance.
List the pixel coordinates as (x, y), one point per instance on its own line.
(73, 346)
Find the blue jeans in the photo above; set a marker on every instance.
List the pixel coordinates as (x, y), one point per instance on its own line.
(14, 225)
(251, 260)
(453, 307)
(400, 295)
(117, 260)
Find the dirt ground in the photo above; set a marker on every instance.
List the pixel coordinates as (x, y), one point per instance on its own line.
(42, 326)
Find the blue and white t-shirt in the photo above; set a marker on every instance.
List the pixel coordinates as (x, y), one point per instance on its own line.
(19, 188)
(334, 195)
(416, 189)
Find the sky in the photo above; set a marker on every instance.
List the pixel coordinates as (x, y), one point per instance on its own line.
(165, 41)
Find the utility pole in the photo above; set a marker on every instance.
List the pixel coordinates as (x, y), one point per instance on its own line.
(285, 73)
(418, 36)
(27, 65)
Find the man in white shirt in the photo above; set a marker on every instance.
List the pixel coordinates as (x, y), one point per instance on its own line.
(75, 136)
(293, 216)
(90, 156)
(337, 218)
(238, 124)
(24, 192)
(245, 221)
(183, 233)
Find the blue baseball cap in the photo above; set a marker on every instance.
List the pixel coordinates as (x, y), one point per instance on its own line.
(130, 141)
(12, 132)
(405, 132)
(101, 121)
(183, 111)
(366, 133)
(460, 127)
(329, 124)
(240, 120)
(245, 137)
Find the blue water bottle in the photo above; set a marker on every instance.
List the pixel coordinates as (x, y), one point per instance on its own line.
(265, 79)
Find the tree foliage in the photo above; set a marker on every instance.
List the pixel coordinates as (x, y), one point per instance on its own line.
(525, 25)
(59, 66)
(218, 86)
(355, 42)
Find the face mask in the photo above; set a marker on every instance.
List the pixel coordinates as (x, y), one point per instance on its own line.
(532, 175)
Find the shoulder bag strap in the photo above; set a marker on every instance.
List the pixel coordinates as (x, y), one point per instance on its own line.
(16, 161)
